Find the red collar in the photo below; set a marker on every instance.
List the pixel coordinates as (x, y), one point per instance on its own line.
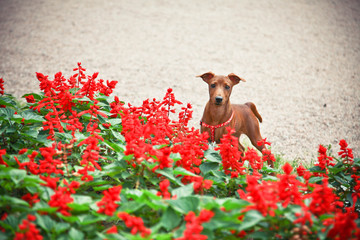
(212, 128)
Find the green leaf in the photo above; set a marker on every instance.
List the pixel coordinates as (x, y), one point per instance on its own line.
(17, 175)
(209, 166)
(31, 117)
(33, 133)
(170, 219)
(259, 235)
(220, 175)
(70, 219)
(88, 219)
(7, 101)
(315, 179)
(117, 135)
(116, 147)
(130, 206)
(185, 204)
(183, 191)
(168, 172)
(317, 169)
(101, 119)
(76, 207)
(44, 207)
(35, 95)
(233, 203)
(251, 218)
(13, 201)
(8, 112)
(76, 234)
(45, 222)
(183, 171)
(213, 156)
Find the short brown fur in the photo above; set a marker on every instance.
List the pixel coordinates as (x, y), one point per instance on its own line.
(219, 109)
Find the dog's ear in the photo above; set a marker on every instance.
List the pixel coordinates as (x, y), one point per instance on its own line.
(235, 79)
(206, 76)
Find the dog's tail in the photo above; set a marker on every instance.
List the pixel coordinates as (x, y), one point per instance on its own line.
(254, 110)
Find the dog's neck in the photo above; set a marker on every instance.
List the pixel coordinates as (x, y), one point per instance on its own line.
(217, 114)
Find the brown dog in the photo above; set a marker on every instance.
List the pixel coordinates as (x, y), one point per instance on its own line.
(219, 113)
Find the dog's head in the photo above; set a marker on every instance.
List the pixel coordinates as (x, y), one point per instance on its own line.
(220, 87)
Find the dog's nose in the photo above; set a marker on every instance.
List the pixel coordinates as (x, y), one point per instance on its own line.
(218, 99)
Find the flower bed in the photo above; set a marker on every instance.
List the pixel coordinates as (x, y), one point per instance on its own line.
(77, 163)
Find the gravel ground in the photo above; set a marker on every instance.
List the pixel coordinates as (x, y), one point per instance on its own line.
(300, 58)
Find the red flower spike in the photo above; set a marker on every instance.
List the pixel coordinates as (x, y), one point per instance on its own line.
(28, 230)
(135, 223)
(230, 154)
(2, 86)
(301, 170)
(287, 168)
(255, 161)
(344, 224)
(31, 199)
(2, 162)
(346, 153)
(263, 142)
(22, 151)
(194, 225)
(164, 192)
(112, 230)
(30, 99)
(107, 204)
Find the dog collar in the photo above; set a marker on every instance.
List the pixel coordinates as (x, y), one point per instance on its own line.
(212, 127)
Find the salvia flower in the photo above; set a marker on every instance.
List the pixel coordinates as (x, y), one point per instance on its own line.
(107, 204)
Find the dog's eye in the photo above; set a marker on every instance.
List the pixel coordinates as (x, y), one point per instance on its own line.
(213, 85)
(227, 87)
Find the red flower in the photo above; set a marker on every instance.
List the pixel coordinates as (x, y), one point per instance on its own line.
(164, 192)
(31, 199)
(304, 216)
(107, 204)
(230, 154)
(324, 159)
(22, 151)
(301, 170)
(50, 182)
(49, 165)
(28, 230)
(62, 197)
(135, 223)
(199, 183)
(116, 107)
(112, 230)
(263, 142)
(2, 86)
(287, 168)
(164, 158)
(2, 162)
(323, 199)
(106, 125)
(255, 161)
(170, 101)
(30, 99)
(289, 187)
(60, 200)
(356, 194)
(346, 153)
(185, 115)
(263, 196)
(344, 225)
(194, 225)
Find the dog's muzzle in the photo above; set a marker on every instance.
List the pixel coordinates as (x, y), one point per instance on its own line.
(218, 99)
